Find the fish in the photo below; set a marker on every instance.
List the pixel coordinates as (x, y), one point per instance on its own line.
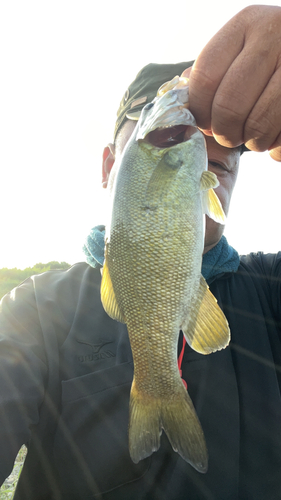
(151, 277)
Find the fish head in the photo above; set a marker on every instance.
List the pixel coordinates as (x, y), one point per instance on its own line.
(168, 108)
(165, 128)
(166, 123)
(166, 152)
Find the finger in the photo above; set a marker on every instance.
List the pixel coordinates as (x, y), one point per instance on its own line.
(275, 150)
(246, 95)
(209, 69)
(276, 154)
(241, 102)
(206, 131)
(236, 78)
(263, 125)
(186, 74)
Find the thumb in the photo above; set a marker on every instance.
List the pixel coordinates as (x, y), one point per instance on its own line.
(186, 72)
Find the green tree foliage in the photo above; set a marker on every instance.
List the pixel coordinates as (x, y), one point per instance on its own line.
(9, 278)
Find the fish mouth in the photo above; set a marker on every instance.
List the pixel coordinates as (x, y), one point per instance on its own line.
(167, 137)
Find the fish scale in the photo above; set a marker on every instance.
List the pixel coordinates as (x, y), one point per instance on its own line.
(152, 274)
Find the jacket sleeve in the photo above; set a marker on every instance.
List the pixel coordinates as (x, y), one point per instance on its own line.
(22, 372)
(272, 270)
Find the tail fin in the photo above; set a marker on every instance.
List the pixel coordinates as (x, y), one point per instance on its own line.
(177, 416)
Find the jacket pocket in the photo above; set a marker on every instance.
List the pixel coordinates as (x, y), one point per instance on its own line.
(91, 445)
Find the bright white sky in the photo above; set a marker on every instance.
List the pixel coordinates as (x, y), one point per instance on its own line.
(65, 66)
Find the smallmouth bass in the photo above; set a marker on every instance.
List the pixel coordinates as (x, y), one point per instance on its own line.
(151, 278)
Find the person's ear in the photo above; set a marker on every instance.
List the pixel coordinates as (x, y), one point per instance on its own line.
(108, 159)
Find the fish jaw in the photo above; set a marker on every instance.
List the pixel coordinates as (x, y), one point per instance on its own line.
(178, 82)
(168, 116)
(168, 110)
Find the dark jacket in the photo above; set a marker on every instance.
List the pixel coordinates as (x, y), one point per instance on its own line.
(65, 375)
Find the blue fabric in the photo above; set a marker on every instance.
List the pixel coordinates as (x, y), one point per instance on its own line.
(220, 259)
(94, 247)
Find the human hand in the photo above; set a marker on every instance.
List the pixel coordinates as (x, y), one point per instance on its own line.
(235, 83)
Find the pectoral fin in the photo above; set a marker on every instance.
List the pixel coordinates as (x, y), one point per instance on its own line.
(208, 180)
(108, 296)
(211, 204)
(206, 330)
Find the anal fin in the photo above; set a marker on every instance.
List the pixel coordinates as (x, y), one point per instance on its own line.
(206, 330)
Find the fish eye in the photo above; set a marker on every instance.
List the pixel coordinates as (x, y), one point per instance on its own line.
(148, 106)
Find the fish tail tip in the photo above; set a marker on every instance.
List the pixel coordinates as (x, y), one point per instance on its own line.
(184, 431)
(144, 426)
(177, 417)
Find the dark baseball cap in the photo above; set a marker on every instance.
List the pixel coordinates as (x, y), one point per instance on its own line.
(144, 88)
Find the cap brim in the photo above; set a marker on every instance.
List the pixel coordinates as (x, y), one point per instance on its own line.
(134, 115)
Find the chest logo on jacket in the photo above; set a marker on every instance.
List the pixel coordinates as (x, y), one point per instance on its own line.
(95, 352)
